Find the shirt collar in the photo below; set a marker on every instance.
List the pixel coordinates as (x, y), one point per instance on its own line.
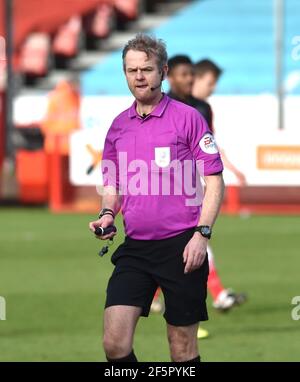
(156, 112)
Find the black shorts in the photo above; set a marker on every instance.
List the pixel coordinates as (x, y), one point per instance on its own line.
(143, 265)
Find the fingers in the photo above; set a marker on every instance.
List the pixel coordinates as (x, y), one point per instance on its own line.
(201, 259)
(106, 237)
(104, 222)
(189, 263)
(198, 261)
(92, 227)
(185, 254)
(194, 261)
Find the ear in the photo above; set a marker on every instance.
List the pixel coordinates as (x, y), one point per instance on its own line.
(164, 72)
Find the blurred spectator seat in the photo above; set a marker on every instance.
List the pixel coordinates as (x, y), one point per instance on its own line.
(66, 40)
(98, 23)
(34, 55)
(128, 9)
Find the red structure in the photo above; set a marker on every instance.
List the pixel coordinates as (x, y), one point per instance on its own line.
(40, 29)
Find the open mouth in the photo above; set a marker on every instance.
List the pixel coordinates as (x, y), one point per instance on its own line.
(141, 86)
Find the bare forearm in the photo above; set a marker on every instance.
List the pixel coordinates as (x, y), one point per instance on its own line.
(111, 199)
(212, 199)
(195, 251)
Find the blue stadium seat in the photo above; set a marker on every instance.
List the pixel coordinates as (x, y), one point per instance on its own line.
(238, 35)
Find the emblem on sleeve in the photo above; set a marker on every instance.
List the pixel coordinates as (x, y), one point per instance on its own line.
(208, 144)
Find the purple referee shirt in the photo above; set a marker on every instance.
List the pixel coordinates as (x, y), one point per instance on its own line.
(155, 160)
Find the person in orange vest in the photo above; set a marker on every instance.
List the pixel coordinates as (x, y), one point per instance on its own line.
(62, 117)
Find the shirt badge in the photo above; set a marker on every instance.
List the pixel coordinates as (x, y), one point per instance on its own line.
(162, 156)
(208, 144)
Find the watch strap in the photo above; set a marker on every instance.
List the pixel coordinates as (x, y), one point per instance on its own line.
(202, 228)
(106, 211)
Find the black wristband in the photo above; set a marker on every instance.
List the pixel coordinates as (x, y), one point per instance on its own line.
(106, 211)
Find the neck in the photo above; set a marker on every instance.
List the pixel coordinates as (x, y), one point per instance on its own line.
(179, 95)
(199, 96)
(146, 107)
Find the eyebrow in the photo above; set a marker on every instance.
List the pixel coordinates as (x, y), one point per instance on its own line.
(144, 68)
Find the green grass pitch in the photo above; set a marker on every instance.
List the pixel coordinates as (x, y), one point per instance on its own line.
(54, 285)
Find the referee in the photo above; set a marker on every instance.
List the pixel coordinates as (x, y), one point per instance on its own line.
(147, 145)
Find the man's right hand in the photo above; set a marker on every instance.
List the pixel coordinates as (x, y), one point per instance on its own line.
(104, 222)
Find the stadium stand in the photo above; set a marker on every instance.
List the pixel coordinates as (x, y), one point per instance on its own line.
(248, 55)
(36, 22)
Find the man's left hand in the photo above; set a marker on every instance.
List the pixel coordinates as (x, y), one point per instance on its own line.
(194, 252)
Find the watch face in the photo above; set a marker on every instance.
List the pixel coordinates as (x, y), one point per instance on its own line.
(205, 230)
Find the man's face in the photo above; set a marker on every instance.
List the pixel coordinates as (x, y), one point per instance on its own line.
(181, 79)
(205, 85)
(142, 73)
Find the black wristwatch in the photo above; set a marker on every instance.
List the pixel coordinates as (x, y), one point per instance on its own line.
(106, 211)
(205, 231)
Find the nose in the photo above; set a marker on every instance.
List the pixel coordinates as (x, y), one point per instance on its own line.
(139, 75)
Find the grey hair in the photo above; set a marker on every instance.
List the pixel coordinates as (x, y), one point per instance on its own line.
(149, 45)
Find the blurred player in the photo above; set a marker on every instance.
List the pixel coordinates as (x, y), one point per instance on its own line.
(207, 74)
(181, 77)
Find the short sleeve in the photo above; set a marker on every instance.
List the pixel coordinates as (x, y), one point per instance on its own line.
(202, 144)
